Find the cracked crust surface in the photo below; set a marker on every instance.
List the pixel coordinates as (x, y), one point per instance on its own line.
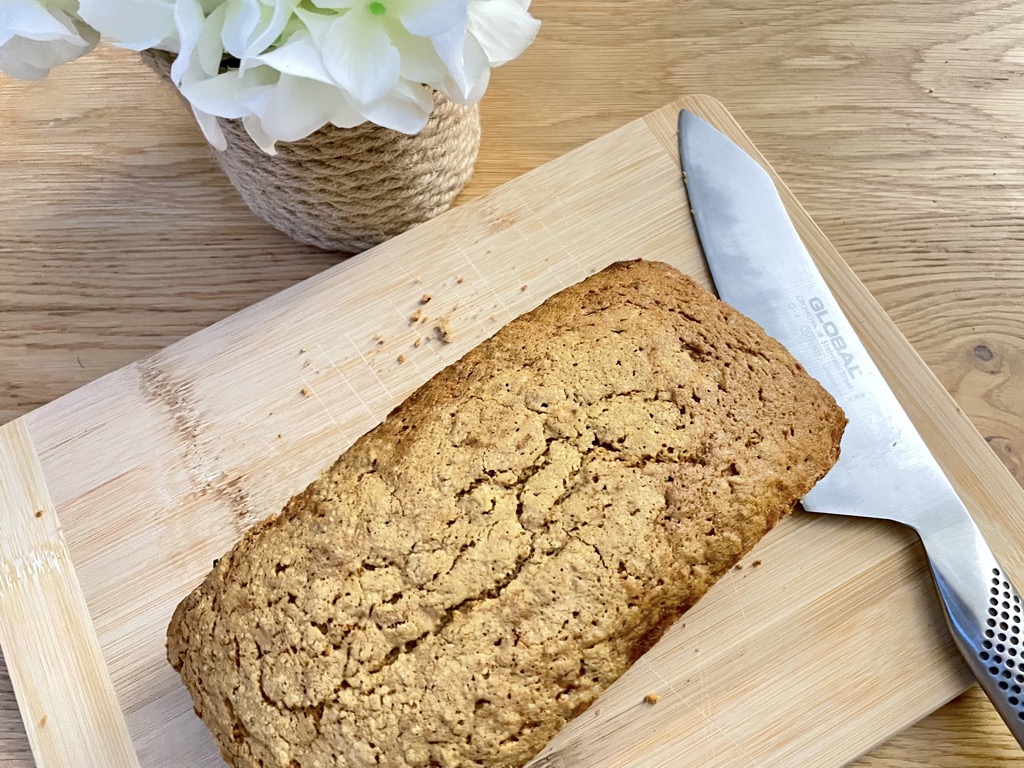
(473, 572)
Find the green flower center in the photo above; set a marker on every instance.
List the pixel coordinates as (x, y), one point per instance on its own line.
(377, 9)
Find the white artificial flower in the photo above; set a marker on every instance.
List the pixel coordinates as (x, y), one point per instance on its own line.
(502, 28)
(133, 24)
(199, 58)
(141, 24)
(496, 31)
(276, 106)
(37, 35)
(286, 68)
(253, 26)
(367, 47)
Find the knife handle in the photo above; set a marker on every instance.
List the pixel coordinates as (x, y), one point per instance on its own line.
(985, 616)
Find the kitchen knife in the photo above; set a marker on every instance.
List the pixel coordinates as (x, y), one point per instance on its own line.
(885, 470)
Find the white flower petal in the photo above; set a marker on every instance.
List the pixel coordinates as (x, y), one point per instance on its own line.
(360, 57)
(209, 50)
(503, 28)
(211, 130)
(297, 107)
(29, 19)
(405, 109)
(299, 57)
(230, 95)
(240, 24)
(472, 95)
(216, 96)
(318, 24)
(336, 4)
(272, 26)
(15, 67)
(429, 18)
(188, 21)
(263, 139)
(133, 24)
(420, 62)
(467, 66)
(449, 47)
(30, 59)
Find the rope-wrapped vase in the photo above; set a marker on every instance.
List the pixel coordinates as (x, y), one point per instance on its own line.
(348, 189)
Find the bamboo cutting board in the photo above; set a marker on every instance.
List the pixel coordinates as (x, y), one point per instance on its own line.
(116, 498)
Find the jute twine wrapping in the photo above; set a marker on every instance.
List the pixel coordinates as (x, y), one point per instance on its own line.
(348, 189)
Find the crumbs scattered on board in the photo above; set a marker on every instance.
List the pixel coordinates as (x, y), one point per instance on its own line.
(401, 359)
(305, 392)
(425, 298)
(523, 288)
(460, 279)
(418, 317)
(419, 340)
(39, 513)
(444, 329)
(652, 698)
(379, 339)
(755, 564)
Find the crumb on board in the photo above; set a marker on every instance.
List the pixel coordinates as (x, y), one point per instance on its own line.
(39, 513)
(401, 359)
(417, 279)
(444, 329)
(307, 363)
(460, 279)
(652, 698)
(305, 392)
(42, 721)
(419, 340)
(379, 339)
(738, 567)
(425, 298)
(415, 317)
(279, 437)
(302, 351)
(755, 564)
(523, 288)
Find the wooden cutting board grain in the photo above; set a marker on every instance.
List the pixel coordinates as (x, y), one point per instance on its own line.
(825, 643)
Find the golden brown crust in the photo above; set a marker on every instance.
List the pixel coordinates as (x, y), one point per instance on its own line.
(472, 573)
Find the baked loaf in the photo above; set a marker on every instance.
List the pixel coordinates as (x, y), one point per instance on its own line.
(472, 573)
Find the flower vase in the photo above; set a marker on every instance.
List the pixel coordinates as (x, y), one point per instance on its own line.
(348, 189)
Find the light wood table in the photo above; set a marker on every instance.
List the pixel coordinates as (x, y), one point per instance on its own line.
(900, 126)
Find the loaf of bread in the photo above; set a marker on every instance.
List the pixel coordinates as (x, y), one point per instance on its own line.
(472, 573)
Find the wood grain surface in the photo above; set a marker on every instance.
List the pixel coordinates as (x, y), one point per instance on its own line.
(897, 125)
(46, 629)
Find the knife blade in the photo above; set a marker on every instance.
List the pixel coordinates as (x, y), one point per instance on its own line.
(761, 266)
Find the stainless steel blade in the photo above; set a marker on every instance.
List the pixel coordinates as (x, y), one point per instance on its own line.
(761, 266)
